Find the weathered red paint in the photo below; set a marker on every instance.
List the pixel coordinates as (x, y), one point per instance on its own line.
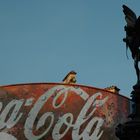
(115, 110)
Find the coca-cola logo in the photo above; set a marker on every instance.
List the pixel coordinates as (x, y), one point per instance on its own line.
(14, 109)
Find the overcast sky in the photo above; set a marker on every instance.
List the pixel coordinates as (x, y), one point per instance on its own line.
(42, 40)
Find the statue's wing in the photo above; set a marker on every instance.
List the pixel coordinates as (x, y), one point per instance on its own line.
(137, 26)
(130, 16)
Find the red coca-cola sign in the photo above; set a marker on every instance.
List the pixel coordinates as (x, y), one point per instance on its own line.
(49, 111)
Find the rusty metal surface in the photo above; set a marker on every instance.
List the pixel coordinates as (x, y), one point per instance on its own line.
(58, 111)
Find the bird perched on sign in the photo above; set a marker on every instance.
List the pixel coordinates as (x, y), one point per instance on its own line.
(70, 78)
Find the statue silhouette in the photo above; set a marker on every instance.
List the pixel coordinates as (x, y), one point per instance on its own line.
(132, 39)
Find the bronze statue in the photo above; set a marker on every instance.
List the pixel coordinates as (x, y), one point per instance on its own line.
(132, 39)
(130, 130)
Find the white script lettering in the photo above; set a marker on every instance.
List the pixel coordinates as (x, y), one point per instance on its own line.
(86, 115)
